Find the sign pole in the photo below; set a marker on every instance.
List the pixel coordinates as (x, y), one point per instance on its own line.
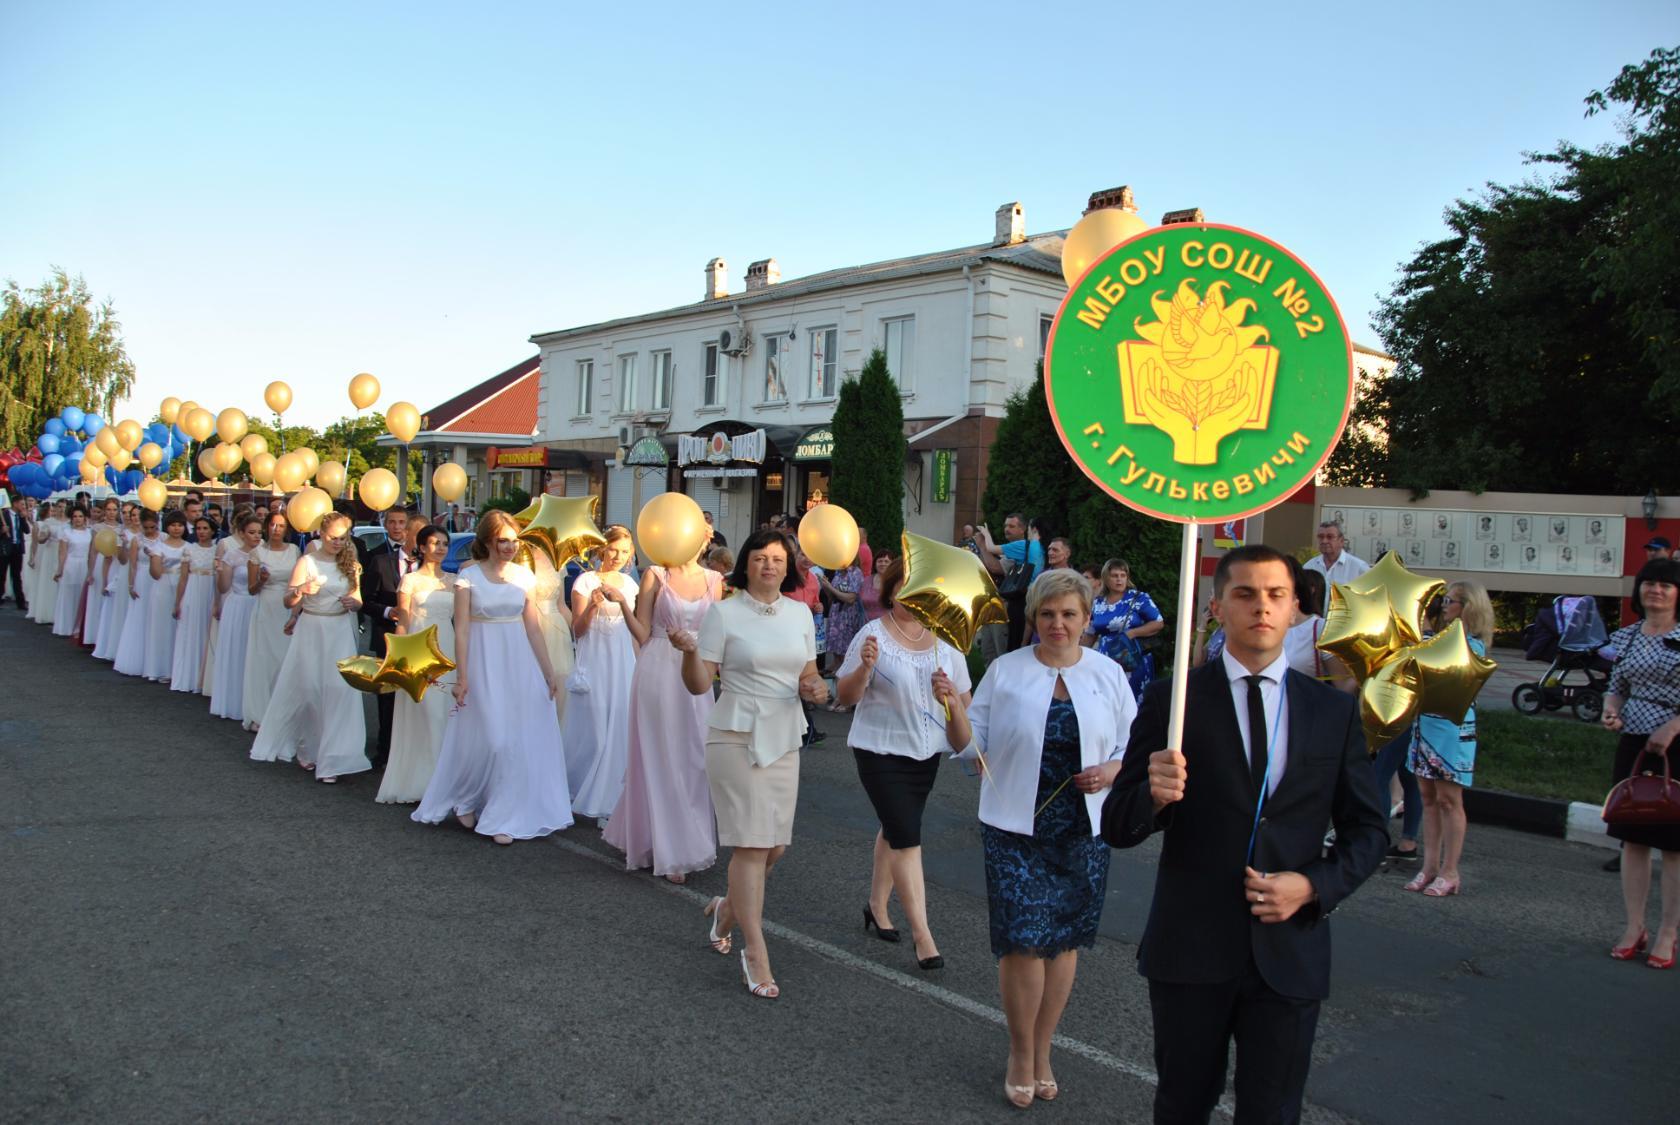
(1185, 629)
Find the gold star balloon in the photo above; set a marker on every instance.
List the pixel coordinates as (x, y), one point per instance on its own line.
(413, 662)
(1361, 630)
(1408, 593)
(1450, 673)
(1389, 701)
(359, 673)
(562, 527)
(948, 589)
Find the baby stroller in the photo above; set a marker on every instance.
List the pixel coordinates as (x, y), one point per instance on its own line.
(1569, 633)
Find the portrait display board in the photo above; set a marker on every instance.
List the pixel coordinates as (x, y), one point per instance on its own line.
(1556, 543)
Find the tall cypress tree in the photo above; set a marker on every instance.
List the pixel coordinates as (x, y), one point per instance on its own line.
(869, 452)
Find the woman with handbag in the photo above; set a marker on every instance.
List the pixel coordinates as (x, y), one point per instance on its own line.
(1643, 705)
(1123, 620)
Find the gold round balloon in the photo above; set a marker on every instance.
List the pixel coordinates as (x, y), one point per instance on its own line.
(359, 671)
(330, 478)
(154, 494)
(1095, 235)
(228, 457)
(231, 425)
(311, 461)
(563, 527)
(670, 529)
(200, 424)
(403, 420)
(364, 391)
(151, 455)
(129, 434)
(829, 536)
(121, 459)
(106, 440)
(93, 455)
(307, 509)
(948, 590)
(252, 444)
(262, 468)
(187, 407)
(278, 396)
(169, 410)
(289, 472)
(449, 481)
(207, 466)
(88, 472)
(105, 541)
(413, 662)
(378, 489)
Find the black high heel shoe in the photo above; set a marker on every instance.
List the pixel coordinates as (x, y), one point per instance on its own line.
(869, 923)
(928, 964)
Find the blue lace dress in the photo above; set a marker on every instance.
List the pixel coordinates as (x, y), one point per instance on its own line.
(1046, 890)
(1109, 622)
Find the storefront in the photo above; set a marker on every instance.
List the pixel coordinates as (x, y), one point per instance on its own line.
(730, 475)
(813, 463)
(535, 469)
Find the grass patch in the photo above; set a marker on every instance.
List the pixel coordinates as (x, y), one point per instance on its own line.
(1559, 758)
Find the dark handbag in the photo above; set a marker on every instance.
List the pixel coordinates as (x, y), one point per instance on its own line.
(1644, 797)
(1015, 582)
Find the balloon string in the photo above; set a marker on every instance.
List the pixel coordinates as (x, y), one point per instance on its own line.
(1054, 795)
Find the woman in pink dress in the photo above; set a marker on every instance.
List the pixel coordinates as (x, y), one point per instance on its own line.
(664, 817)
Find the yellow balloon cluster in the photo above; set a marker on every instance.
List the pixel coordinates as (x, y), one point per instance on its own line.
(563, 527)
(948, 590)
(1375, 626)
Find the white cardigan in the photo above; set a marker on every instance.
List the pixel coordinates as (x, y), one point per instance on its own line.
(1008, 716)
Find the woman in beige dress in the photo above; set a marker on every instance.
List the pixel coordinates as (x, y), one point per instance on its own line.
(763, 646)
(556, 617)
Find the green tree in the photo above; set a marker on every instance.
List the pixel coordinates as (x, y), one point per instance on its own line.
(57, 349)
(1536, 346)
(869, 452)
(1031, 473)
(354, 439)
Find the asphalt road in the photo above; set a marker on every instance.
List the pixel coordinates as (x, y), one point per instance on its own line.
(191, 936)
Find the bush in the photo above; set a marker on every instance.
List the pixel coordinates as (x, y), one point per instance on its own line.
(514, 501)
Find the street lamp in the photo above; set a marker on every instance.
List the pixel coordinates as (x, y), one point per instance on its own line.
(1649, 507)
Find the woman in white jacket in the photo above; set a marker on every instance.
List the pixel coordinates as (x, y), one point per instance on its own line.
(1048, 725)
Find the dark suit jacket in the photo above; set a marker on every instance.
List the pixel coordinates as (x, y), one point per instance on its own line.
(10, 544)
(1200, 929)
(380, 579)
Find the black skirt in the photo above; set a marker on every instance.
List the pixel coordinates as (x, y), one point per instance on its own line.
(898, 787)
(1663, 837)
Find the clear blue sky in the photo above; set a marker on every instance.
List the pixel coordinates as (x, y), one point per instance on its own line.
(312, 190)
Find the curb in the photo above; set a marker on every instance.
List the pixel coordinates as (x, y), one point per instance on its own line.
(1575, 821)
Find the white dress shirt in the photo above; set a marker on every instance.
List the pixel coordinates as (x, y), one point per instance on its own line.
(1276, 708)
(1345, 569)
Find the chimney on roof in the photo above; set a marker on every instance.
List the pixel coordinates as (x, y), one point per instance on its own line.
(1120, 197)
(1183, 215)
(1011, 225)
(717, 279)
(763, 272)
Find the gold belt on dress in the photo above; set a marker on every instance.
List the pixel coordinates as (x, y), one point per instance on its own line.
(340, 612)
(499, 620)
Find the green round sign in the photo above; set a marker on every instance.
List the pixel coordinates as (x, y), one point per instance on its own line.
(1199, 373)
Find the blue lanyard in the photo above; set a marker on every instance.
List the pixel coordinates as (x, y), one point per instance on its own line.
(1271, 765)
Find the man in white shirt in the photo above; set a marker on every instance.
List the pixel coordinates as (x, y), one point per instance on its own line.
(1333, 562)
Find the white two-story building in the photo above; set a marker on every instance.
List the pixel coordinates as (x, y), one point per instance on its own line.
(751, 378)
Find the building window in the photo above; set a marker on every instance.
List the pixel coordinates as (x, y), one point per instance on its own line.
(898, 340)
(711, 378)
(585, 387)
(626, 384)
(776, 349)
(825, 359)
(661, 381)
(1044, 323)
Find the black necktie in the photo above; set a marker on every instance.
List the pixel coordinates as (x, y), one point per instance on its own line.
(1257, 759)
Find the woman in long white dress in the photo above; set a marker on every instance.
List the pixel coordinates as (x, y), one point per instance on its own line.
(550, 596)
(102, 517)
(195, 597)
(267, 642)
(233, 612)
(501, 770)
(165, 565)
(598, 717)
(115, 614)
(131, 643)
(426, 598)
(43, 598)
(71, 576)
(313, 715)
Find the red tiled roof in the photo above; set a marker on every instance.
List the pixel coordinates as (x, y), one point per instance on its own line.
(502, 404)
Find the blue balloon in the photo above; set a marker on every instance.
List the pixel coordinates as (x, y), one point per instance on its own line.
(47, 443)
(92, 424)
(181, 438)
(73, 417)
(51, 462)
(158, 434)
(69, 446)
(55, 427)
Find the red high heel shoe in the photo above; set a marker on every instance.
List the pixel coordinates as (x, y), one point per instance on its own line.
(1629, 952)
(1656, 962)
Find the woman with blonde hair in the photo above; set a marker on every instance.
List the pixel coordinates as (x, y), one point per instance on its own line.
(1443, 755)
(609, 634)
(313, 716)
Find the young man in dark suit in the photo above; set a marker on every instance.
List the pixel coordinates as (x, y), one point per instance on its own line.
(1237, 946)
(14, 534)
(383, 569)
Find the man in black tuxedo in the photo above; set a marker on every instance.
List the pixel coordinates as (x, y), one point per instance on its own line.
(1238, 940)
(383, 568)
(14, 534)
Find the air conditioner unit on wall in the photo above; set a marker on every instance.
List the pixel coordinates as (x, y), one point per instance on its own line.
(734, 341)
(624, 435)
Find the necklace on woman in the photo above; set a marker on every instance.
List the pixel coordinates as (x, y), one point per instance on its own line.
(903, 634)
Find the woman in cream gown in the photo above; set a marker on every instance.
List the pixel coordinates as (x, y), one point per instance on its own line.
(115, 614)
(266, 643)
(597, 730)
(234, 609)
(43, 596)
(70, 578)
(550, 595)
(165, 566)
(130, 657)
(426, 598)
(195, 597)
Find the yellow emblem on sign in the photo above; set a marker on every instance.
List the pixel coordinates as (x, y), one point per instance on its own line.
(1198, 375)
